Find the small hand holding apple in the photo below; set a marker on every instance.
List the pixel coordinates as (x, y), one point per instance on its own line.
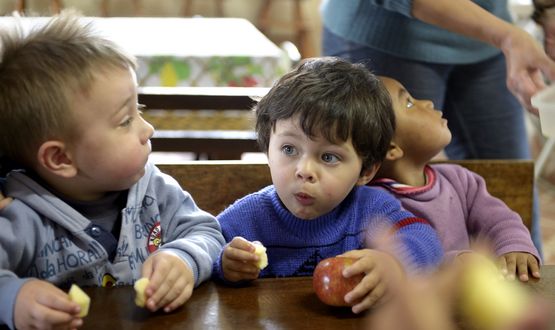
(170, 283)
(41, 305)
(241, 260)
(372, 271)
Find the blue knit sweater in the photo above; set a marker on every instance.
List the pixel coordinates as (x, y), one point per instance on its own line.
(388, 26)
(295, 246)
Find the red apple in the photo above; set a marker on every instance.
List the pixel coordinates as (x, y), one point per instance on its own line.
(328, 281)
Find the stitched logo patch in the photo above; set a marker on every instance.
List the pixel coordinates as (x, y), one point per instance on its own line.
(154, 237)
(108, 280)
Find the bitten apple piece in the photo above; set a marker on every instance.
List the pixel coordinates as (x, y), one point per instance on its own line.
(140, 286)
(260, 251)
(81, 298)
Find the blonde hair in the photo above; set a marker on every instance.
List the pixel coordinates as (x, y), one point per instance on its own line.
(39, 72)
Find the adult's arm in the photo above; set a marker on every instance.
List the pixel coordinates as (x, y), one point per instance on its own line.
(526, 60)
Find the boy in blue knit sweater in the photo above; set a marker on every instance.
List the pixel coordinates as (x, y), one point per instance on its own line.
(325, 128)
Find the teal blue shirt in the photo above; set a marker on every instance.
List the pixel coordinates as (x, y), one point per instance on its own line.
(388, 26)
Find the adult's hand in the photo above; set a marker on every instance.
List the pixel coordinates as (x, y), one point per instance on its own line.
(526, 61)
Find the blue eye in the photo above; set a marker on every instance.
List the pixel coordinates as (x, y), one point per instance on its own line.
(288, 150)
(330, 158)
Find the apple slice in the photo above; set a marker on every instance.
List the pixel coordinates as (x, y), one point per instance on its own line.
(140, 286)
(260, 251)
(81, 298)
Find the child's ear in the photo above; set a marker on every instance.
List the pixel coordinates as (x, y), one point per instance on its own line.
(394, 152)
(53, 157)
(368, 174)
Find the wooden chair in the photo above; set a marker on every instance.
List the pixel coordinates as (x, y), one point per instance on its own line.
(55, 6)
(105, 8)
(216, 144)
(266, 23)
(187, 8)
(216, 184)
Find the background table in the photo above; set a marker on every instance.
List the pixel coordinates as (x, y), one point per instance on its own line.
(286, 303)
(197, 51)
(191, 51)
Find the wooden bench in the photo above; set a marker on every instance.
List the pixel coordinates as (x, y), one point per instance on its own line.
(216, 144)
(216, 184)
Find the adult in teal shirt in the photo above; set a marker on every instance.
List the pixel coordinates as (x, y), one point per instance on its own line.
(463, 55)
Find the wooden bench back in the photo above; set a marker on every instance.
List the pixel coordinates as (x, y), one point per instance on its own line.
(201, 98)
(216, 184)
(216, 144)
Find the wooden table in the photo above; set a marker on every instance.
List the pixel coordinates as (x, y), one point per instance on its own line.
(287, 303)
(267, 304)
(546, 285)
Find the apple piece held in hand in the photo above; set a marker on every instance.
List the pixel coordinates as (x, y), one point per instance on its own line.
(328, 281)
(140, 286)
(487, 300)
(260, 251)
(81, 298)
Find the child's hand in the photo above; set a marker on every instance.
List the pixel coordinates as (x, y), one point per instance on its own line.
(171, 281)
(440, 293)
(4, 201)
(519, 263)
(239, 262)
(41, 305)
(381, 270)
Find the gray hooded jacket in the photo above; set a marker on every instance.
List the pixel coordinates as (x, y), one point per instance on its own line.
(43, 237)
